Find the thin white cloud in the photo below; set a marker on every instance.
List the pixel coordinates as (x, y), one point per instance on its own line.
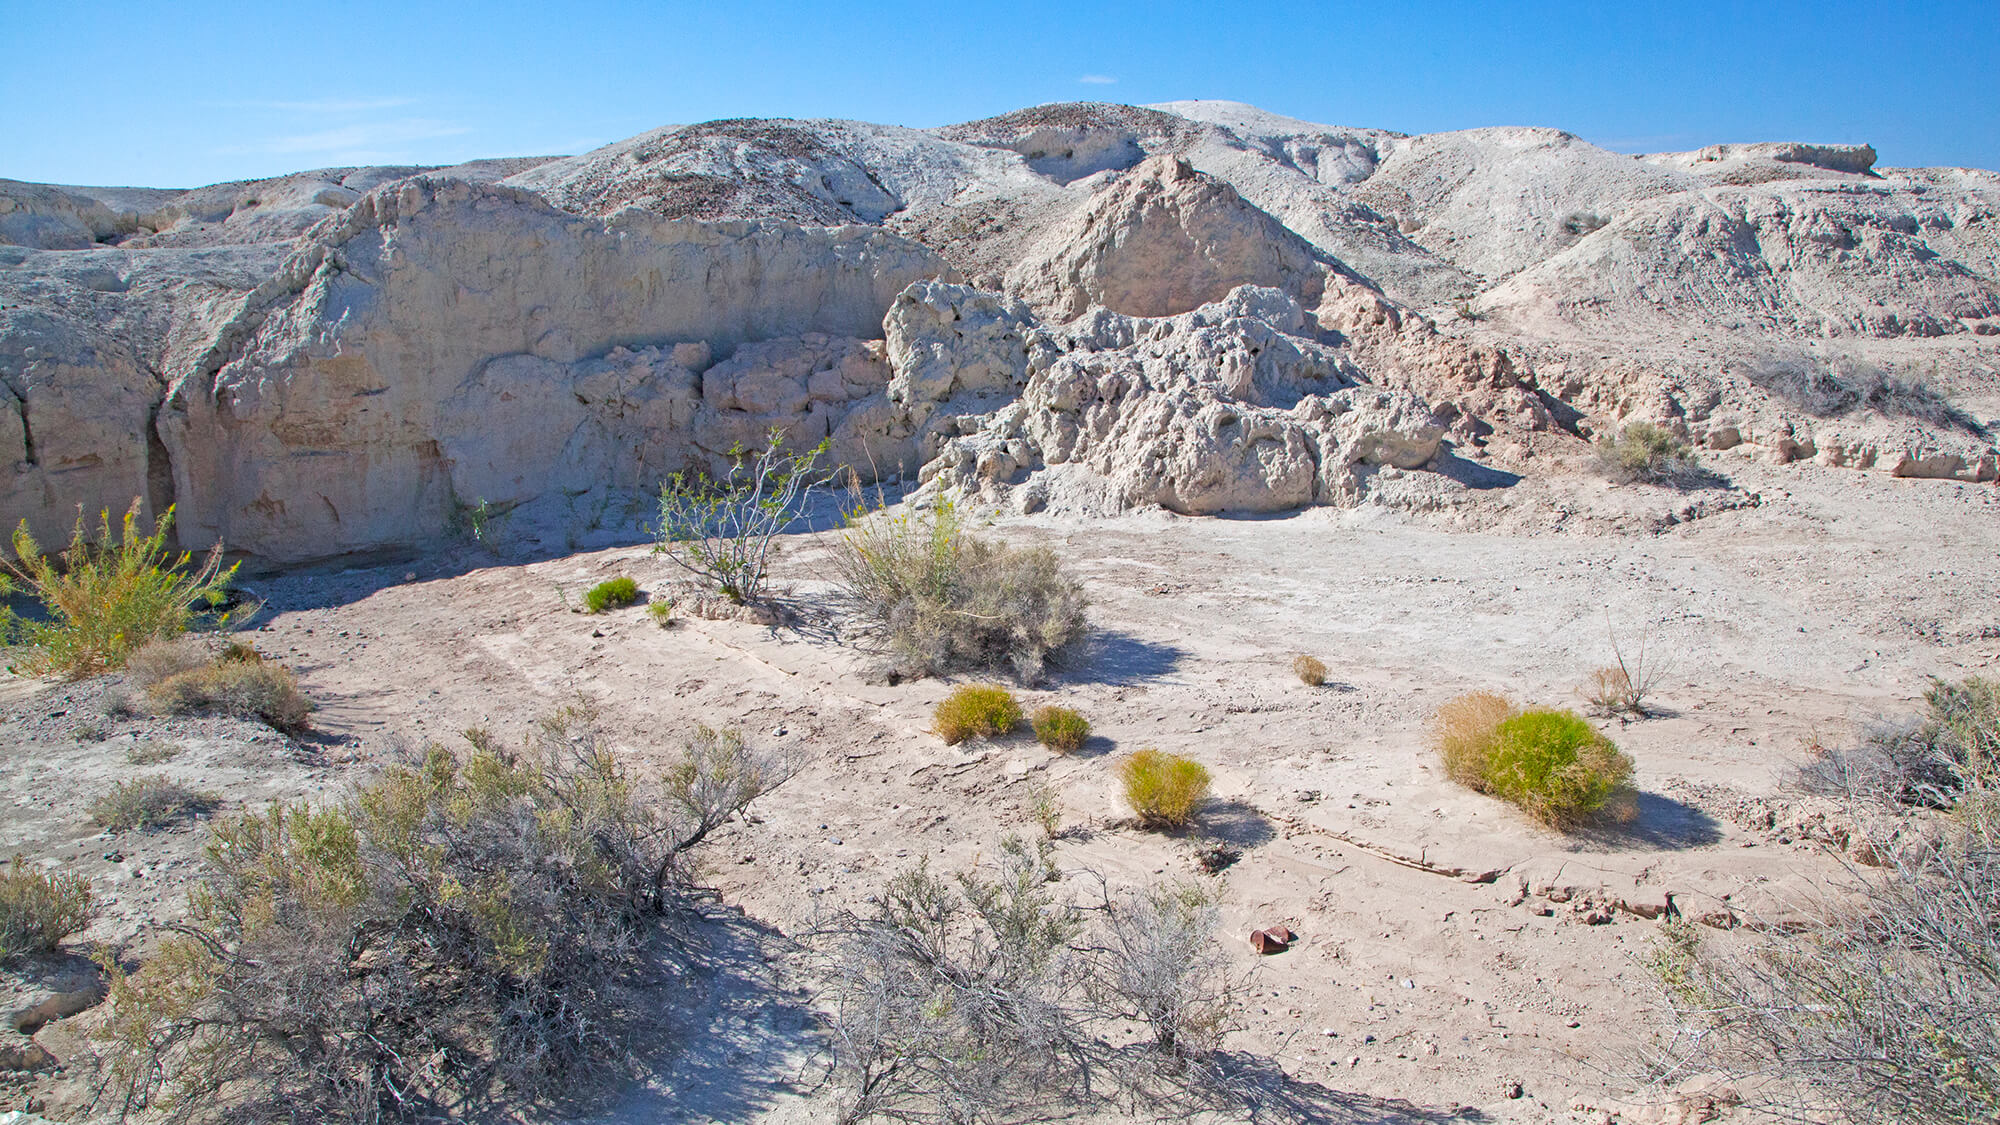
(327, 105)
(368, 137)
(1098, 80)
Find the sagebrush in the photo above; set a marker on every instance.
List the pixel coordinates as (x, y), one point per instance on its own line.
(941, 600)
(107, 597)
(1830, 386)
(38, 909)
(473, 927)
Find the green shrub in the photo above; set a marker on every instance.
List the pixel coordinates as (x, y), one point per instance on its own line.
(1557, 767)
(106, 598)
(942, 600)
(1310, 670)
(38, 910)
(466, 928)
(612, 593)
(1061, 729)
(1164, 790)
(662, 612)
(976, 710)
(149, 802)
(1648, 454)
(721, 530)
(240, 682)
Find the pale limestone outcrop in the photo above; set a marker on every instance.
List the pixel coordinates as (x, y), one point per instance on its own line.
(1164, 239)
(435, 320)
(1231, 407)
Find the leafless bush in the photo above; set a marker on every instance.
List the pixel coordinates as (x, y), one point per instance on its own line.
(942, 600)
(468, 928)
(990, 997)
(149, 802)
(1827, 387)
(1623, 686)
(163, 659)
(1927, 760)
(1885, 1007)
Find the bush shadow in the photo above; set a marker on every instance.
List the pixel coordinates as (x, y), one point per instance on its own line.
(1257, 1087)
(1662, 824)
(1114, 658)
(1236, 823)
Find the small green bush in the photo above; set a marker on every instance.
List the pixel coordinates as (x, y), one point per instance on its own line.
(1648, 454)
(612, 593)
(976, 710)
(38, 910)
(106, 598)
(241, 683)
(1164, 790)
(1311, 670)
(662, 612)
(1061, 729)
(149, 802)
(1557, 767)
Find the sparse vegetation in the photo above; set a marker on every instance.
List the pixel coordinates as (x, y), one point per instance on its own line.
(1310, 670)
(1880, 1008)
(990, 997)
(471, 926)
(1047, 811)
(106, 597)
(1164, 790)
(942, 600)
(1580, 223)
(1623, 686)
(1648, 454)
(661, 611)
(976, 711)
(1061, 729)
(149, 802)
(721, 530)
(1551, 763)
(238, 682)
(612, 593)
(153, 753)
(38, 909)
(1828, 387)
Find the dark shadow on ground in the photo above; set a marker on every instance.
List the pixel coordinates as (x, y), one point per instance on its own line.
(1662, 824)
(1109, 656)
(1236, 823)
(1257, 1087)
(1472, 474)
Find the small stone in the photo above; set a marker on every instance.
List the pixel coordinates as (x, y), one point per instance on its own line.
(1512, 1090)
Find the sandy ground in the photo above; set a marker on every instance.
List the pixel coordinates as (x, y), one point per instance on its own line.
(1446, 953)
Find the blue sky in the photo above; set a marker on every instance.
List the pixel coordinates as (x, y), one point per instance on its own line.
(184, 94)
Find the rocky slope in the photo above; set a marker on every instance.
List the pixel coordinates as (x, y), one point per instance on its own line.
(1046, 307)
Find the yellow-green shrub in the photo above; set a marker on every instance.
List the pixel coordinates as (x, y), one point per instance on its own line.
(611, 594)
(976, 710)
(1164, 790)
(1462, 734)
(1061, 729)
(1552, 763)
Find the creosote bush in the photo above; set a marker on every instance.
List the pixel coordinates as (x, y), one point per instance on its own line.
(941, 600)
(149, 802)
(976, 711)
(1551, 763)
(1164, 790)
(1879, 1004)
(237, 682)
(612, 593)
(1061, 729)
(472, 927)
(106, 597)
(1648, 454)
(1310, 670)
(38, 909)
(988, 997)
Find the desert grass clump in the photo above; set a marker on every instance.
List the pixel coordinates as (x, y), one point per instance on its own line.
(1061, 729)
(612, 593)
(1463, 733)
(238, 682)
(1310, 670)
(1164, 791)
(1558, 768)
(38, 909)
(662, 612)
(480, 929)
(150, 801)
(106, 597)
(1647, 454)
(941, 600)
(976, 711)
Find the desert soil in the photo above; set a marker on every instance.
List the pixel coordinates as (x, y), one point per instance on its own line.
(1447, 950)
